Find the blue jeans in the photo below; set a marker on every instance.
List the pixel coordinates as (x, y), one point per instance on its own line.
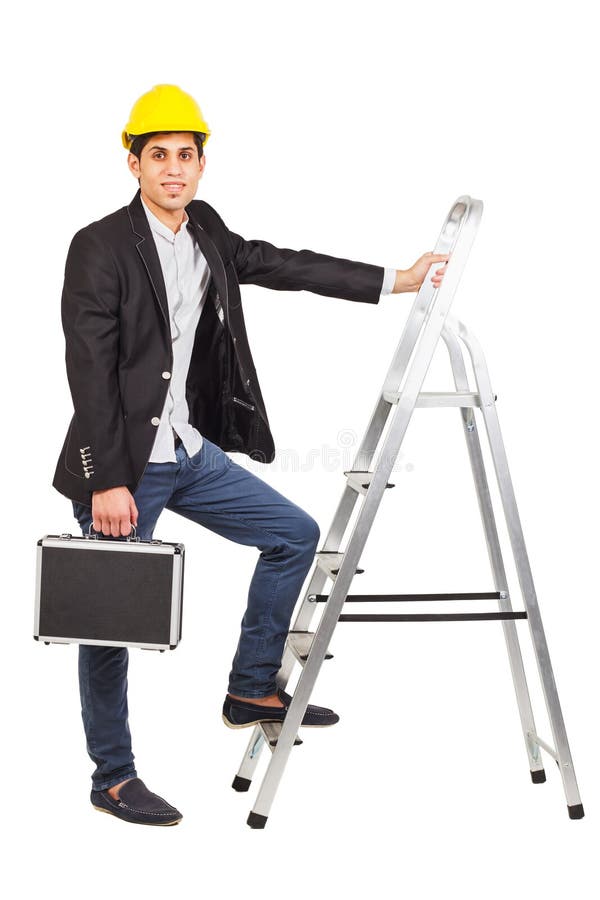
(211, 489)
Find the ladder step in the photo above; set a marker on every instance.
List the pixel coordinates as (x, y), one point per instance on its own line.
(431, 617)
(300, 643)
(439, 398)
(330, 561)
(405, 598)
(360, 480)
(271, 731)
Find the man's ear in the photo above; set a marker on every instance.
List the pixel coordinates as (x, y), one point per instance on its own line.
(134, 165)
(202, 164)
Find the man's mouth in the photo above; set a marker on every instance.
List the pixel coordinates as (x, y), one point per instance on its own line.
(173, 187)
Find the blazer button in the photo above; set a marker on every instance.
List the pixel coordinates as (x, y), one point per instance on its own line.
(166, 374)
(155, 420)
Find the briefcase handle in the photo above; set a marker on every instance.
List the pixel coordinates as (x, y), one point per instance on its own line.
(127, 537)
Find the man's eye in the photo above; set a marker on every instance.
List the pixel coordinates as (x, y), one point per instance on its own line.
(186, 154)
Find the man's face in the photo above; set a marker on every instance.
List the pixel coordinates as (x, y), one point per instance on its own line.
(169, 169)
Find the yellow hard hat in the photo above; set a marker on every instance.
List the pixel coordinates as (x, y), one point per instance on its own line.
(165, 108)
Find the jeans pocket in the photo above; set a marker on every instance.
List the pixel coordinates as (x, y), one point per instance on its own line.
(209, 458)
(197, 461)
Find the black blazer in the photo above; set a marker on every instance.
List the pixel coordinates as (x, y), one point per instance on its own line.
(115, 317)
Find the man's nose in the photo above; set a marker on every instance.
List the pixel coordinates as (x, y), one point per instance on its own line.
(174, 167)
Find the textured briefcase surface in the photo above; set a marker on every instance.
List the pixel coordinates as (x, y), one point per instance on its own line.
(109, 591)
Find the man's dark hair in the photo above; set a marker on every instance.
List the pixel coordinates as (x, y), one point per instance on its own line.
(140, 141)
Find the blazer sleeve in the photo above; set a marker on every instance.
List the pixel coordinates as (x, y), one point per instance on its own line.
(90, 318)
(259, 262)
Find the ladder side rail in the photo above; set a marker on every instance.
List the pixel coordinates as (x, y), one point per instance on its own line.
(484, 499)
(486, 510)
(523, 567)
(460, 212)
(368, 445)
(429, 339)
(413, 326)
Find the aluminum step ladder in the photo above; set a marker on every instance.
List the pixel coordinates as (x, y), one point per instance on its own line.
(429, 320)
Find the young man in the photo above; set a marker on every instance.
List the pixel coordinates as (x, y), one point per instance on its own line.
(163, 384)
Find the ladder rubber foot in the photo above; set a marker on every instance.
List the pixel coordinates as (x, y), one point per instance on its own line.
(576, 812)
(241, 784)
(255, 820)
(538, 777)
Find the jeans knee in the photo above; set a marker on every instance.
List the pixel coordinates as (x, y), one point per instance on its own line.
(311, 533)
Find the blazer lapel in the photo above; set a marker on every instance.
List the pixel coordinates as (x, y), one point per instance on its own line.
(215, 264)
(147, 250)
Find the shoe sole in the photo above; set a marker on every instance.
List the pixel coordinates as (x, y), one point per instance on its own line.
(154, 824)
(272, 722)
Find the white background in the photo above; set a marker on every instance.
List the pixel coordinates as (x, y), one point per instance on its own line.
(349, 129)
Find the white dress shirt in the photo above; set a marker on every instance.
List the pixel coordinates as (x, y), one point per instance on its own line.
(186, 275)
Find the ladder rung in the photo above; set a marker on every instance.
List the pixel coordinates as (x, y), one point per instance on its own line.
(300, 643)
(271, 731)
(405, 598)
(430, 617)
(360, 480)
(331, 560)
(439, 398)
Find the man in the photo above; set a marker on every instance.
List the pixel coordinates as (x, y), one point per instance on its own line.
(163, 384)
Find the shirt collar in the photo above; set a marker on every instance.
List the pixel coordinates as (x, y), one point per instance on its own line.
(157, 226)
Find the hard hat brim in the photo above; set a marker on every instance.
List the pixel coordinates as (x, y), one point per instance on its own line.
(127, 139)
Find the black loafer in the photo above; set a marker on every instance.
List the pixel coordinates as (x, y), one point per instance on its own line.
(136, 804)
(241, 713)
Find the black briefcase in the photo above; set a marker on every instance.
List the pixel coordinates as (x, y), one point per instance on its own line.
(115, 592)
